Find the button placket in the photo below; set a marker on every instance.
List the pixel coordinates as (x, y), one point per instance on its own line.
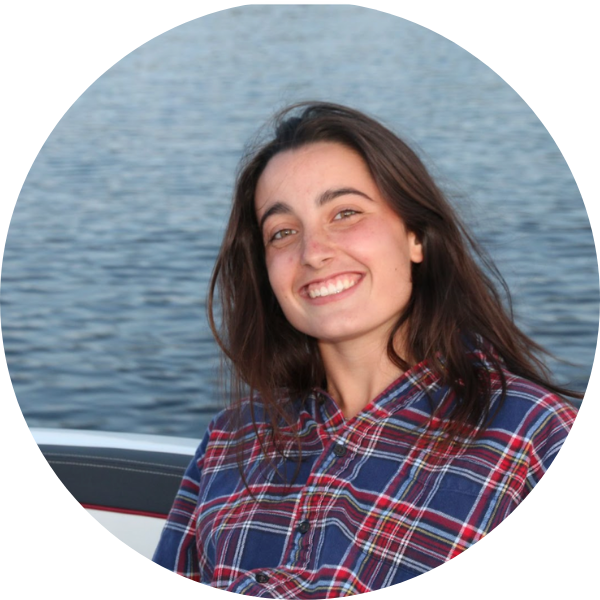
(310, 500)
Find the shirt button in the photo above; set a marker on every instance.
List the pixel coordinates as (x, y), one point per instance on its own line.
(339, 450)
(261, 578)
(303, 526)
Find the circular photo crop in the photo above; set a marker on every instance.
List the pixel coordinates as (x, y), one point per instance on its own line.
(300, 301)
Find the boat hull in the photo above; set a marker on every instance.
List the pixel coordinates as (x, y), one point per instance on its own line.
(127, 482)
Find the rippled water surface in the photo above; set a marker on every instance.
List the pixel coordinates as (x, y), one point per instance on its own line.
(117, 227)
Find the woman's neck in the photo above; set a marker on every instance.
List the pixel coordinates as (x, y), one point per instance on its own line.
(357, 372)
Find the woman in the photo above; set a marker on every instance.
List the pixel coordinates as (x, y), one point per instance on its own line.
(387, 411)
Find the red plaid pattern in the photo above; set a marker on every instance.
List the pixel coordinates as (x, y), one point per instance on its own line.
(376, 500)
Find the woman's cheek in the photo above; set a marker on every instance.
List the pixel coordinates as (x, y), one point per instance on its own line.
(281, 273)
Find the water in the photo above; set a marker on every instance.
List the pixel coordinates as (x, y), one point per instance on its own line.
(117, 227)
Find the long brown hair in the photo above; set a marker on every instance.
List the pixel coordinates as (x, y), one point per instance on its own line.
(454, 306)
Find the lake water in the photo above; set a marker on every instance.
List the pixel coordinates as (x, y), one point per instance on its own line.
(117, 227)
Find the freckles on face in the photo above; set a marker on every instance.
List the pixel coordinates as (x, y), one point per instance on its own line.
(338, 257)
(281, 267)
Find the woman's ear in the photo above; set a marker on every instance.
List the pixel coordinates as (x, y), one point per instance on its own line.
(415, 248)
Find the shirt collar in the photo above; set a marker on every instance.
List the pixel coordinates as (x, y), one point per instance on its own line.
(402, 392)
(409, 387)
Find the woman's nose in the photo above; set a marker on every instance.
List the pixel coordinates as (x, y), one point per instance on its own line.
(317, 248)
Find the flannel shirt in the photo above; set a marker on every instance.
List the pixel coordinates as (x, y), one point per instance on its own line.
(376, 500)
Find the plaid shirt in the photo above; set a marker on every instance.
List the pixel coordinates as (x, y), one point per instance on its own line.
(376, 500)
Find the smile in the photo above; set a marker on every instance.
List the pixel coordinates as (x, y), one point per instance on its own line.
(332, 286)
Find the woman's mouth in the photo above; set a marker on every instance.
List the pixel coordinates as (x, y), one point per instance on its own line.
(335, 285)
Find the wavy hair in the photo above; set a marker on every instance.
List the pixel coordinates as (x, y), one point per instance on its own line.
(455, 302)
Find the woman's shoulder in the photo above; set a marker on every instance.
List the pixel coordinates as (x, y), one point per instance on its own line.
(241, 413)
(532, 423)
(531, 410)
(244, 417)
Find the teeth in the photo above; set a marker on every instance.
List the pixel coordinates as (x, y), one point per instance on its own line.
(331, 288)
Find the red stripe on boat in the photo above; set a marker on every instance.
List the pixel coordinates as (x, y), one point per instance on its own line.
(126, 511)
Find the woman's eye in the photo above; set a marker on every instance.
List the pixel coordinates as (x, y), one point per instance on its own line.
(282, 233)
(344, 214)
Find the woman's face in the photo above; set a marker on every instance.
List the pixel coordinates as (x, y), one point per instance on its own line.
(338, 257)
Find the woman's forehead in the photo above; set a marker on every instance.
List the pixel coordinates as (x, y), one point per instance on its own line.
(308, 168)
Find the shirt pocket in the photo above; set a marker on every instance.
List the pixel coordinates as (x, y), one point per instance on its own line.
(423, 523)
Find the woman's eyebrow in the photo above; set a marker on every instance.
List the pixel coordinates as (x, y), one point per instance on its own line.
(281, 208)
(329, 195)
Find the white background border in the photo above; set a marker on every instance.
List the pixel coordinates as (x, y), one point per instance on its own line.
(52, 51)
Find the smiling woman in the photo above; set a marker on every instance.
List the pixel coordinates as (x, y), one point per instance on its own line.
(339, 262)
(387, 412)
